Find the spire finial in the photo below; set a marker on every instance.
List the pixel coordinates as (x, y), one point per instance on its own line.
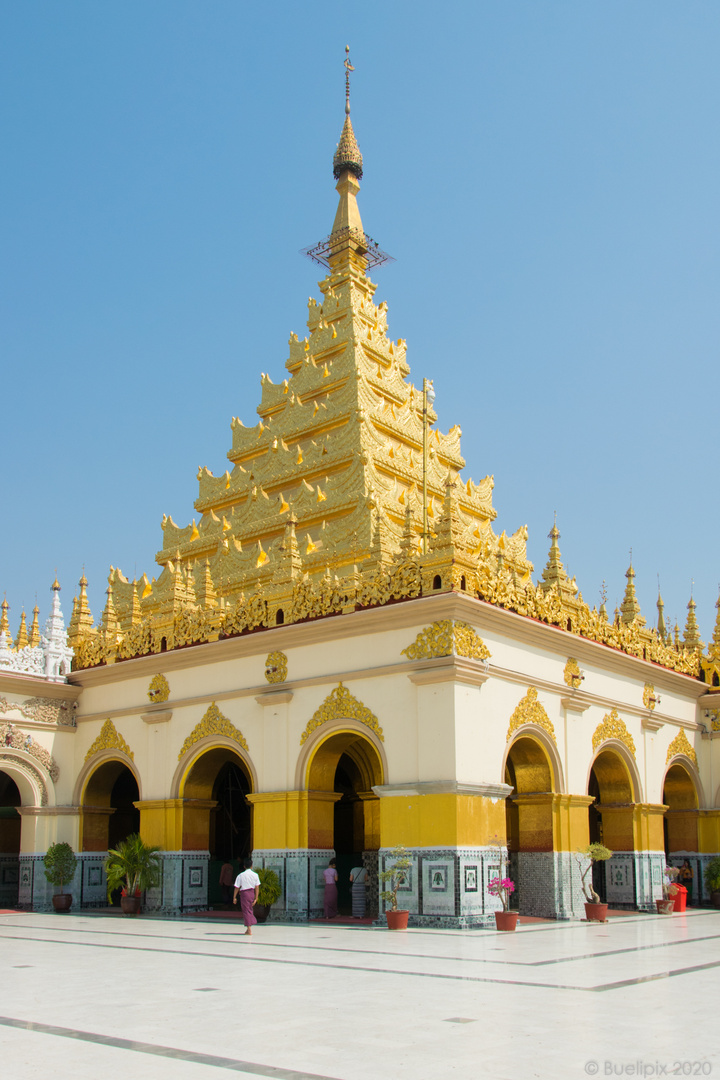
(348, 69)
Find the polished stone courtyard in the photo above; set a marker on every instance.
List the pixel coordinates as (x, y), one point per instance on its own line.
(88, 996)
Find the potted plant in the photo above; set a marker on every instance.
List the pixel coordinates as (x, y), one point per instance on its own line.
(712, 880)
(270, 891)
(132, 867)
(60, 861)
(394, 877)
(595, 911)
(502, 887)
(666, 906)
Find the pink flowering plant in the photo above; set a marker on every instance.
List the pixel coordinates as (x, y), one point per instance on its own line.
(502, 887)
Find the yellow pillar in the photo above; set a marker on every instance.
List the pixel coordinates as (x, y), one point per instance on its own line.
(441, 820)
(571, 825)
(648, 833)
(161, 822)
(709, 831)
(618, 825)
(682, 829)
(293, 819)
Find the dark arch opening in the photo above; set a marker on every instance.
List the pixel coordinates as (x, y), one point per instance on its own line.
(462, 582)
(437, 582)
(110, 815)
(279, 617)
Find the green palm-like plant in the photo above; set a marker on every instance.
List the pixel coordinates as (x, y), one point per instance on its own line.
(132, 866)
(270, 889)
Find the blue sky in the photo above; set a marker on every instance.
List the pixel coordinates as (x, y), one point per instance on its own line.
(544, 173)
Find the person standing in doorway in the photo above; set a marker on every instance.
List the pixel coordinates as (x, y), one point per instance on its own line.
(227, 877)
(330, 901)
(686, 879)
(248, 885)
(358, 881)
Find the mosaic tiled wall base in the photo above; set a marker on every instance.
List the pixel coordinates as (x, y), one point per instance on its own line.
(9, 880)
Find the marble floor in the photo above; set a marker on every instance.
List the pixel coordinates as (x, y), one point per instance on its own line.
(89, 996)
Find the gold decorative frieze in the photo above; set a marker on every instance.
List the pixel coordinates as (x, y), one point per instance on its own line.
(572, 674)
(213, 723)
(612, 727)
(42, 710)
(341, 705)
(530, 711)
(276, 667)
(159, 689)
(650, 698)
(445, 638)
(681, 745)
(109, 739)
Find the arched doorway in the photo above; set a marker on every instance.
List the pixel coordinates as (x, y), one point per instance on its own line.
(217, 816)
(529, 824)
(108, 811)
(10, 823)
(680, 795)
(346, 766)
(610, 822)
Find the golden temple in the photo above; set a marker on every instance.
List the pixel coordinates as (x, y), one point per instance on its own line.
(323, 508)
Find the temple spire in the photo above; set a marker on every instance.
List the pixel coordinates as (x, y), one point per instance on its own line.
(34, 636)
(661, 628)
(630, 607)
(691, 637)
(554, 575)
(5, 623)
(22, 638)
(347, 247)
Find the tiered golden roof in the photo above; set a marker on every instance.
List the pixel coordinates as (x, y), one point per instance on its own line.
(321, 510)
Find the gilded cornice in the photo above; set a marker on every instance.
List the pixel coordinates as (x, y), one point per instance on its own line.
(530, 711)
(213, 723)
(612, 727)
(341, 705)
(681, 745)
(109, 739)
(446, 638)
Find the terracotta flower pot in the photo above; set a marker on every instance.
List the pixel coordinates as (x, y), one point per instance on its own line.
(397, 920)
(596, 912)
(130, 905)
(665, 907)
(62, 902)
(506, 920)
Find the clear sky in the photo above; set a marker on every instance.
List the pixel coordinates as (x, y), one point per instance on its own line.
(544, 172)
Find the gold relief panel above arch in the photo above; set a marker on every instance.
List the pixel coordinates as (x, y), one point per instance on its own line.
(530, 711)
(681, 746)
(341, 705)
(109, 739)
(612, 727)
(213, 723)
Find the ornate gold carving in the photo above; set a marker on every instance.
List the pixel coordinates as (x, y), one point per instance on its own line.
(612, 727)
(650, 698)
(109, 739)
(714, 715)
(213, 723)
(446, 638)
(341, 705)
(43, 710)
(681, 745)
(159, 689)
(11, 737)
(530, 711)
(276, 667)
(572, 674)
